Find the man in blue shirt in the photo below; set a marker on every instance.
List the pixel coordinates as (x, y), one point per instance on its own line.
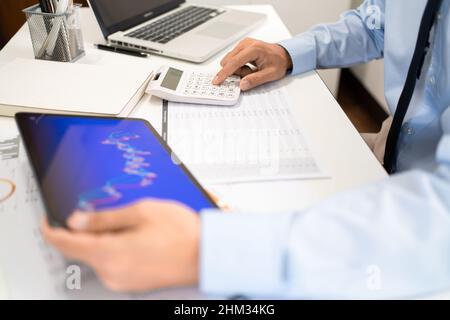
(387, 239)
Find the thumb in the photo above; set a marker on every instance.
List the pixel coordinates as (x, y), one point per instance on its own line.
(256, 79)
(106, 221)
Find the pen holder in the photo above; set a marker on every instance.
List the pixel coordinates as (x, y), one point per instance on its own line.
(56, 37)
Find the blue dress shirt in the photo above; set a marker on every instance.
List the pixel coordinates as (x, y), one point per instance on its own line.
(384, 240)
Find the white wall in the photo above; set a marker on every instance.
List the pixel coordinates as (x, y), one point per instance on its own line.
(299, 15)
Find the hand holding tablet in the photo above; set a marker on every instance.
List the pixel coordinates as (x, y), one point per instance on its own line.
(96, 164)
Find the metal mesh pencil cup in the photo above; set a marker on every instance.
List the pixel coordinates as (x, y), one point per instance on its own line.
(56, 37)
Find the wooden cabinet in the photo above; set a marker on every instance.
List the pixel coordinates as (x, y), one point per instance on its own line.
(12, 17)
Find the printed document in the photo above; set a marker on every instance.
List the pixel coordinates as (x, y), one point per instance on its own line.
(258, 139)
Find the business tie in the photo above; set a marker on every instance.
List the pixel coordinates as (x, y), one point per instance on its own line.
(414, 73)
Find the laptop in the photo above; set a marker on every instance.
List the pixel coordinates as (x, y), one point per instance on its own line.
(171, 27)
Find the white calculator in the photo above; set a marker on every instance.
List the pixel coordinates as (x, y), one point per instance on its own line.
(193, 87)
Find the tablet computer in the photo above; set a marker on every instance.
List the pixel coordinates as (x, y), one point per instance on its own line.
(94, 163)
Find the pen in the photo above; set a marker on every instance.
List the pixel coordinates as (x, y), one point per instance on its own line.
(58, 33)
(121, 50)
(50, 7)
(44, 6)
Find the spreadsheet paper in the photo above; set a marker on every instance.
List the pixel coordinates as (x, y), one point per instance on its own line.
(258, 139)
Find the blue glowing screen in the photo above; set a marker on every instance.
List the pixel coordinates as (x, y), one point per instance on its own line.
(90, 164)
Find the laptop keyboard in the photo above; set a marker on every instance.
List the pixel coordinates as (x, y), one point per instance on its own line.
(176, 24)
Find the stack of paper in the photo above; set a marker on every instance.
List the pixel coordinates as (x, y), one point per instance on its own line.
(67, 88)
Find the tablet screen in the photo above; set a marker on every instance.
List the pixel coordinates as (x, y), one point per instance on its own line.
(91, 164)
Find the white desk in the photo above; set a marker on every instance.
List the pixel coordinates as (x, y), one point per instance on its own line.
(337, 144)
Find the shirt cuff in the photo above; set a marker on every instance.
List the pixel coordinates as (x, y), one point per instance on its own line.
(303, 52)
(243, 254)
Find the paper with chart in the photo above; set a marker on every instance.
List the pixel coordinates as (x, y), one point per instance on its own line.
(258, 139)
(25, 261)
(29, 268)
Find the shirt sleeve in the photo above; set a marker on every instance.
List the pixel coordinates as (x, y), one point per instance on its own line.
(357, 38)
(385, 240)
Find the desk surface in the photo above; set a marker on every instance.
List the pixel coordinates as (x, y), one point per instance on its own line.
(335, 141)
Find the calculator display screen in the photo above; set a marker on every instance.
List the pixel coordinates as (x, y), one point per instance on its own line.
(172, 79)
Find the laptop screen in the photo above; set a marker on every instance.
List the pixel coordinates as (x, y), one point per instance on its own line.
(120, 15)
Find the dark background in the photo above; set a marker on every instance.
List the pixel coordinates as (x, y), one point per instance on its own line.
(12, 17)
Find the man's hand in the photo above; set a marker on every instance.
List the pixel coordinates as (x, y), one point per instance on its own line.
(271, 61)
(149, 245)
